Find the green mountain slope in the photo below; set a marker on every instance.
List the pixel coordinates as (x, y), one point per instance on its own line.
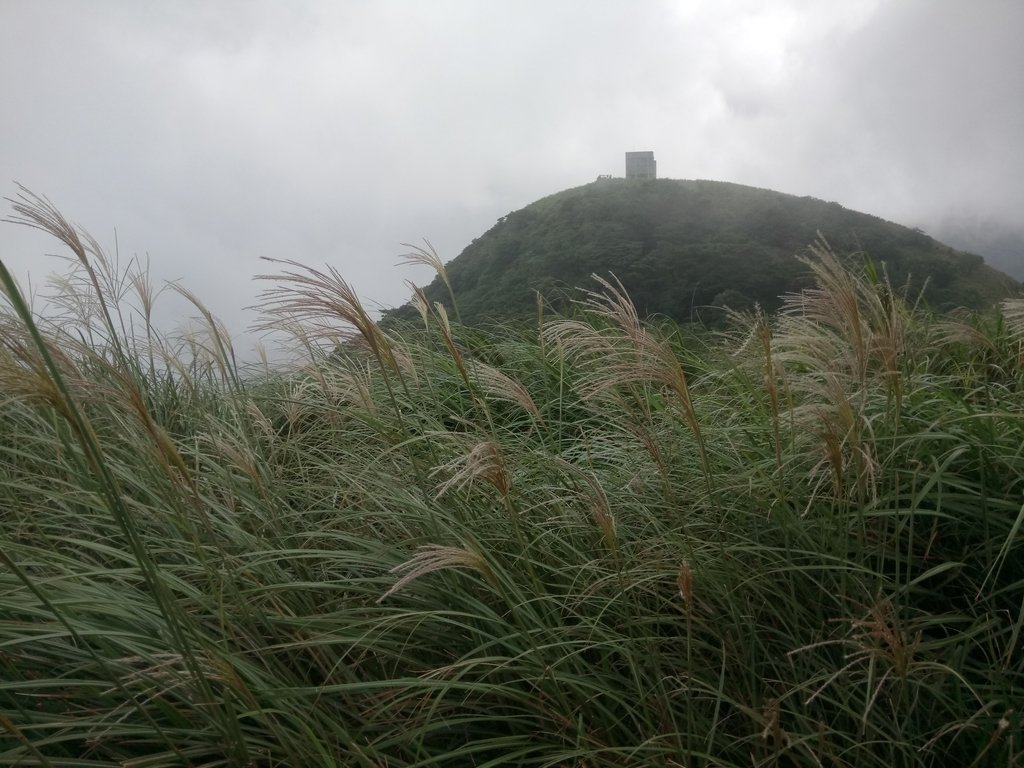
(680, 247)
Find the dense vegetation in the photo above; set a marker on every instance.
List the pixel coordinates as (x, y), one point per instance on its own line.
(683, 248)
(593, 543)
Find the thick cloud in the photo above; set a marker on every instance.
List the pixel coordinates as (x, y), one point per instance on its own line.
(210, 134)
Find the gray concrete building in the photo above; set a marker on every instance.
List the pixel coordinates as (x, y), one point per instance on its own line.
(641, 165)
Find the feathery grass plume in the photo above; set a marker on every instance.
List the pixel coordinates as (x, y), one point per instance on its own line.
(841, 422)
(839, 339)
(503, 387)
(427, 256)
(600, 511)
(835, 302)
(597, 503)
(1013, 313)
(684, 583)
(435, 557)
(631, 355)
(888, 650)
(449, 341)
(866, 313)
(404, 360)
(141, 283)
(970, 347)
(421, 302)
(218, 338)
(24, 361)
(754, 329)
(162, 447)
(461, 365)
(39, 213)
(319, 299)
(773, 373)
(352, 382)
(484, 461)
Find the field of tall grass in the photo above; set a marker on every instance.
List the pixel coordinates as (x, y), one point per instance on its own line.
(592, 542)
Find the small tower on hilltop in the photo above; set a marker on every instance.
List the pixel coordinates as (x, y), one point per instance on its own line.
(641, 165)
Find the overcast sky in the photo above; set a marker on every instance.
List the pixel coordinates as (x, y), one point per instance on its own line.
(208, 133)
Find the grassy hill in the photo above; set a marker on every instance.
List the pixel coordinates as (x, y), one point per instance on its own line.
(600, 542)
(680, 247)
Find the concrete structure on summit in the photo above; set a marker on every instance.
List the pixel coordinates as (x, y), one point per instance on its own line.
(641, 165)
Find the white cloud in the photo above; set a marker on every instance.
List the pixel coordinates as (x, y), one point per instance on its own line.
(210, 134)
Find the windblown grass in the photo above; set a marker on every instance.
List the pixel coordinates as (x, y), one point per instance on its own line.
(597, 543)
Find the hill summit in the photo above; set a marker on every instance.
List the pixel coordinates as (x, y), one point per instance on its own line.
(681, 247)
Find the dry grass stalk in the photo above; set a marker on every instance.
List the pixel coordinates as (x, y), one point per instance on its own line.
(1013, 312)
(837, 340)
(435, 557)
(834, 303)
(39, 213)
(318, 299)
(503, 387)
(862, 324)
(878, 637)
(881, 635)
(484, 461)
(163, 447)
(684, 583)
(403, 360)
(597, 503)
(449, 342)
(23, 371)
(627, 355)
(427, 256)
(773, 372)
(600, 511)
(957, 329)
(420, 301)
(237, 454)
(356, 384)
(217, 337)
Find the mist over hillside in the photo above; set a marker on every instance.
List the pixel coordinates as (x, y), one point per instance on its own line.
(1000, 243)
(681, 248)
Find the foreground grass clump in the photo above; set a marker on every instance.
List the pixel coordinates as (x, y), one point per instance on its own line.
(593, 543)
